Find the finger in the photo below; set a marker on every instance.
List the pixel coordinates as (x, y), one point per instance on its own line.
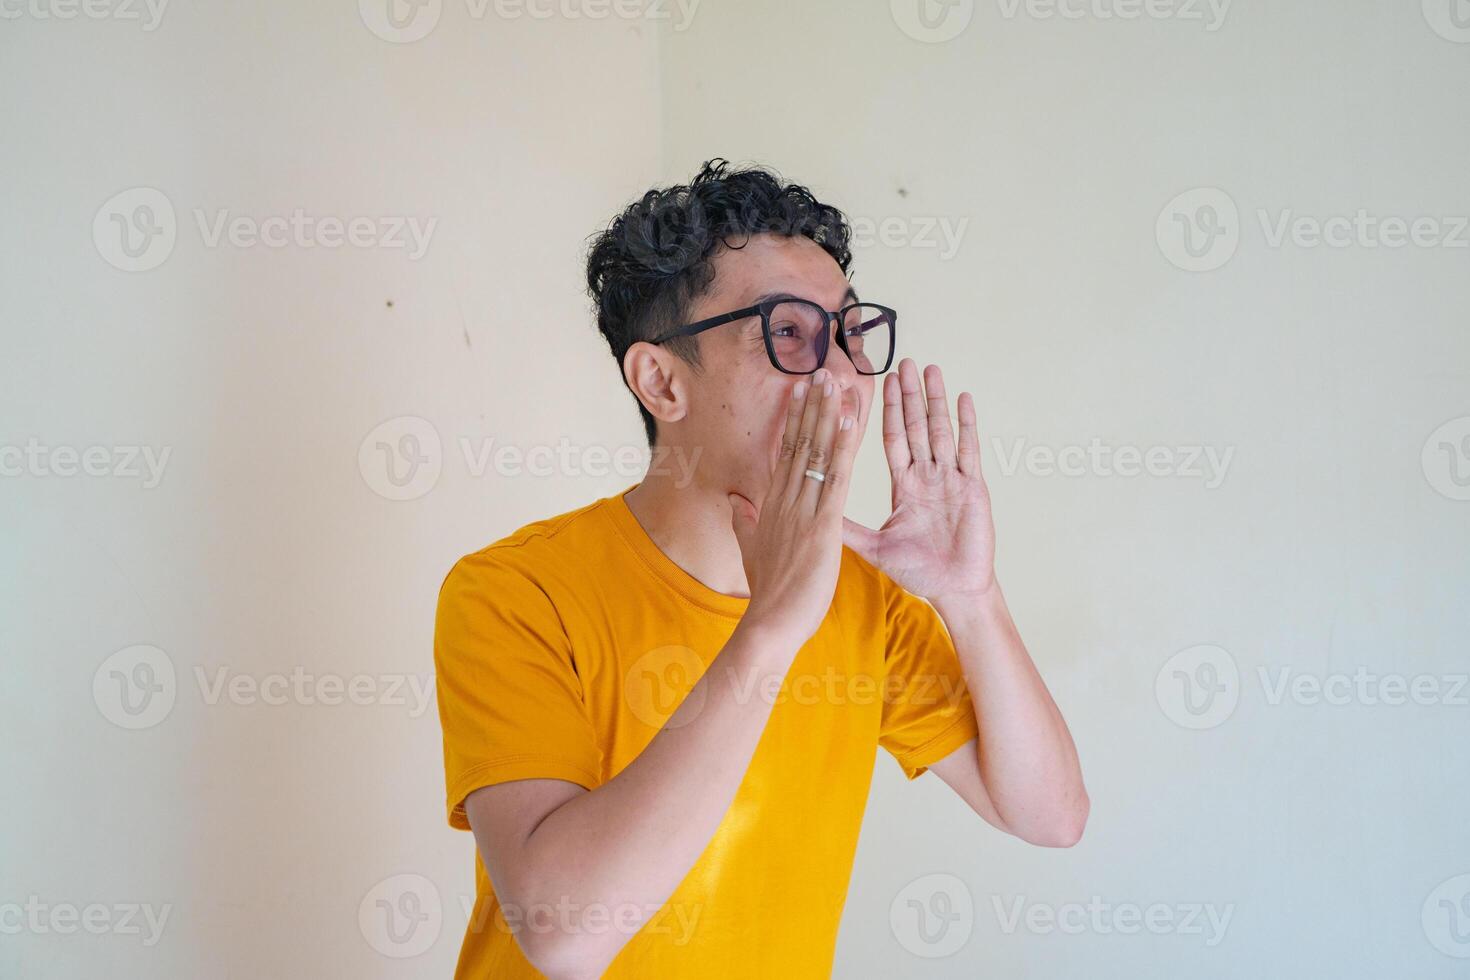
(820, 456)
(915, 416)
(804, 434)
(895, 441)
(969, 455)
(794, 404)
(941, 436)
(839, 474)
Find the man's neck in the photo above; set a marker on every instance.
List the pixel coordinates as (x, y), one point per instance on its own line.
(690, 524)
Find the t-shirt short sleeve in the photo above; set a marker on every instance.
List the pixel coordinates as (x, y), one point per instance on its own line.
(927, 711)
(510, 701)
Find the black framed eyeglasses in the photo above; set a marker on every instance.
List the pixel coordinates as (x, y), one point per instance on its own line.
(797, 338)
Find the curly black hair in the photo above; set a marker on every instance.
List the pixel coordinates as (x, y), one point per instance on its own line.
(646, 269)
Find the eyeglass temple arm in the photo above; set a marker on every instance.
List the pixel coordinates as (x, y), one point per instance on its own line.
(703, 325)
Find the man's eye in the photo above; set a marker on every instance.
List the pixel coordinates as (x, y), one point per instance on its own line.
(782, 330)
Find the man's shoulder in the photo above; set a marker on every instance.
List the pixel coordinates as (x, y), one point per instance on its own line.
(864, 582)
(550, 546)
(861, 576)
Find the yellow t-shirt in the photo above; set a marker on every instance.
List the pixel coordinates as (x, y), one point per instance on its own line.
(563, 647)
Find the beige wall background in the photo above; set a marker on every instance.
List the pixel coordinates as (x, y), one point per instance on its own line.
(289, 287)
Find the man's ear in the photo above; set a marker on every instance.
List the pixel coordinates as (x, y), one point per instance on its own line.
(653, 376)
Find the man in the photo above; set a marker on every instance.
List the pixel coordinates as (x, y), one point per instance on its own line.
(661, 710)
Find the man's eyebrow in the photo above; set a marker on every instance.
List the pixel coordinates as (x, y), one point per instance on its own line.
(768, 297)
(851, 294)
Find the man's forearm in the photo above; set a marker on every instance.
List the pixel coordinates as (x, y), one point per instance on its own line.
(625, 846)
(1026, 755)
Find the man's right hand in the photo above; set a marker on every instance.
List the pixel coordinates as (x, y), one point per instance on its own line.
(792, 545)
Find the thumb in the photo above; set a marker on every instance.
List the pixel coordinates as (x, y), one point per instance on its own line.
(742, 518)
(862, 539)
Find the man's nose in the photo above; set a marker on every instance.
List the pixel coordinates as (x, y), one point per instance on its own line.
(844, 372)
(846, 377)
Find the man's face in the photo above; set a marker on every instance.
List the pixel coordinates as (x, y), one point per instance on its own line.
(737, 405)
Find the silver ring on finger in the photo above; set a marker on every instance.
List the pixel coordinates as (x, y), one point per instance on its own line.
(817, 475)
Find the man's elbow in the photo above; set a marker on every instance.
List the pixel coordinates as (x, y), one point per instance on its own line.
(1064, 829)
(1066, 833)
(556, 944)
